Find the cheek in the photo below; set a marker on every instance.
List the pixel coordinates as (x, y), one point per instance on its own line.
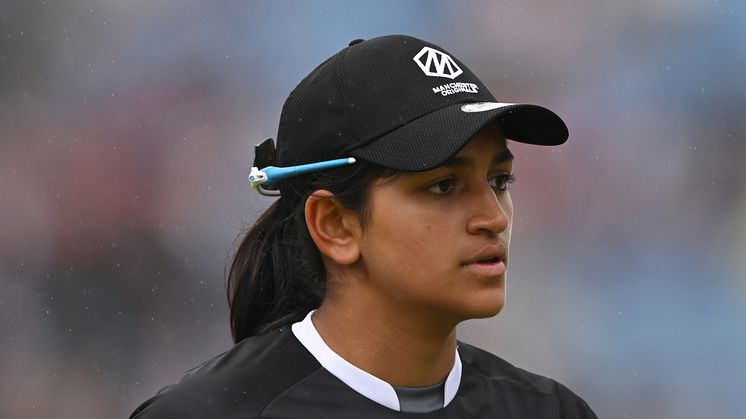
(405, 244)
(410, 248)
(433, 244)
(508, 208)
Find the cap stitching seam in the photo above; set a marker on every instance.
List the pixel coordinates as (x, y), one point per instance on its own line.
(346, 92)
(362, 143)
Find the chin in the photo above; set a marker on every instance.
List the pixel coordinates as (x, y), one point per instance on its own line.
(491, 311)
(484, 306)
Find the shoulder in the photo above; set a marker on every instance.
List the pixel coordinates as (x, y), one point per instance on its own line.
(246, 378)
(504, 374)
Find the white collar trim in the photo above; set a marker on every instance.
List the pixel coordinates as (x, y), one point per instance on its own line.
(361, 381)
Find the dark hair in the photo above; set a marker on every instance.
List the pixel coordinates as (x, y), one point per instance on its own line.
(277, 275)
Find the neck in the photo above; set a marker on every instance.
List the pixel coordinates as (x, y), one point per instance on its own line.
(396, 344)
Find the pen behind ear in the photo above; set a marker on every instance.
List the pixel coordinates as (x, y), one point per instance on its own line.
(264, 175)
(264, 156)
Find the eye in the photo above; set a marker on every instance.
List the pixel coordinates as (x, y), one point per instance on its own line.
(501, 181)
(442, 187)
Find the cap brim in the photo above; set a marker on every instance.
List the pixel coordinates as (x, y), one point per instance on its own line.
(430, 140)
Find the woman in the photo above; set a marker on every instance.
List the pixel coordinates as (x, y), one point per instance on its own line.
(392, 227)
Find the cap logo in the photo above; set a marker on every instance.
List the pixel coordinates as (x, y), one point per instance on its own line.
(482, 106)
(437, 64)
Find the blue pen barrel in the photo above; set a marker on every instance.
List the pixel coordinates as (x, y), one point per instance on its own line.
(275, 174)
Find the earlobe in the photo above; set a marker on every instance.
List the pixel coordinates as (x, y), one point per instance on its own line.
(332, 228)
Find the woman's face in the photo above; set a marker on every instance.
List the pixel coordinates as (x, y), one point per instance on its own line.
(438, 240)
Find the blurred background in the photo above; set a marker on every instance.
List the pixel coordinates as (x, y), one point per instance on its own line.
(126, 136)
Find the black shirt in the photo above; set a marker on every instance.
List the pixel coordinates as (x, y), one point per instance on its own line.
(275, 376)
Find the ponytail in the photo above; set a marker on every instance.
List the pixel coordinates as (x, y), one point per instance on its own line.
(277, 274)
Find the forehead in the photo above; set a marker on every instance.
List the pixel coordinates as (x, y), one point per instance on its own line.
(488, 143)
(487, 146)
(486, 149)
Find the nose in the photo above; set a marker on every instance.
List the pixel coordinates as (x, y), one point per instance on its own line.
(491, 212)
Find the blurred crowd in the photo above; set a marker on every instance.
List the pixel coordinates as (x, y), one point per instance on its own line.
(127, 131)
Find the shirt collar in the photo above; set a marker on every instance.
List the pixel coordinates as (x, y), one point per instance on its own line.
(361, 381)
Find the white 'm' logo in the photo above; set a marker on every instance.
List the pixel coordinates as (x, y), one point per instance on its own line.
(437, 64)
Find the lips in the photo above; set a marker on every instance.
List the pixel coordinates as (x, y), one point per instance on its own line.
(487, 269)
(488, 254)
(489, 261)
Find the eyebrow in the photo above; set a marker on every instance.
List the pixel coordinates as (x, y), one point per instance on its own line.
(457, 161)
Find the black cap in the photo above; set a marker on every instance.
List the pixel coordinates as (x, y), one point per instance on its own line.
(399, 102)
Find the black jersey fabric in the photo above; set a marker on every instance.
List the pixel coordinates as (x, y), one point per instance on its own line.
(274, 376)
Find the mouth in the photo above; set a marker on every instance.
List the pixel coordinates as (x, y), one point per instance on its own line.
(489, 255)
(494, 259)
(489, 264)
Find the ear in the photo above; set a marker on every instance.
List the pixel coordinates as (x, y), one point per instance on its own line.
(333, 228)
